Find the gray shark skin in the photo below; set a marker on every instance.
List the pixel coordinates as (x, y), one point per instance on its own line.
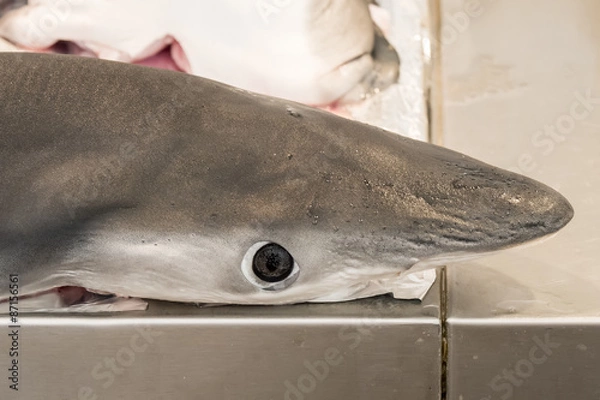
(155, 184)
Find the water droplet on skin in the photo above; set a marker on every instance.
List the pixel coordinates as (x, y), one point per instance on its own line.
(293, 112)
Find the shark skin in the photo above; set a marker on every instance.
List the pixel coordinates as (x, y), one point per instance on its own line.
(155, 184)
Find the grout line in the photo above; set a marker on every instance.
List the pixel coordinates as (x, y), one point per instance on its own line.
(435, 117)
(444, 332)
(434, 88)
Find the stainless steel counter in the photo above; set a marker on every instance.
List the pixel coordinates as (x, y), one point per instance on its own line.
(522, 91)
(376, 348)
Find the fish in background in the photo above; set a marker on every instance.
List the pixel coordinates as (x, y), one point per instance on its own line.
(315, 52)
(9, 5)
(120, 182)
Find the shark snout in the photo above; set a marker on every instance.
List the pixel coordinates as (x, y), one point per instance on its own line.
(510, 208)
(423, 201)
(535, 209)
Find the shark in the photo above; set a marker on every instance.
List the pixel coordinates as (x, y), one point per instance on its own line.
(123, 181)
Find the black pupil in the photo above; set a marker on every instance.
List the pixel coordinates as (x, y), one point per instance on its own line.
(272, 263)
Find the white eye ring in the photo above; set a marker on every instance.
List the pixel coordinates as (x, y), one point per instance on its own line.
(249, 274)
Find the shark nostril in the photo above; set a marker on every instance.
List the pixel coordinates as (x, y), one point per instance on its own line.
(467, 182)
(534, 225)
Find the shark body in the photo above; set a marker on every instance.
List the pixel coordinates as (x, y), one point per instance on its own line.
(155, 184)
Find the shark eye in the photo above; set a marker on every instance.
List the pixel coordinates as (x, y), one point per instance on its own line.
(269, 266)
(272, 263)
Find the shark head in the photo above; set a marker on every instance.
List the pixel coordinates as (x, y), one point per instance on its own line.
(344, 209)
(225, 196)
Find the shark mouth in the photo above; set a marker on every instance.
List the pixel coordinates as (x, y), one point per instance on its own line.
(76, 299)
